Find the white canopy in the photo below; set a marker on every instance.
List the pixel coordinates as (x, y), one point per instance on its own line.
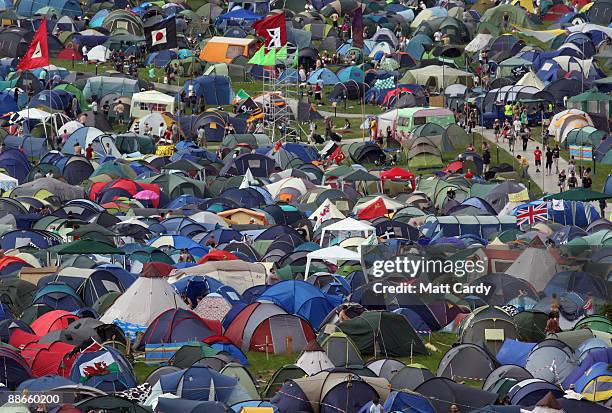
(331, 254)
(347, 228)
(33, 113)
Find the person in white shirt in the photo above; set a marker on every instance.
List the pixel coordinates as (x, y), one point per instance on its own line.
(517, 126)
(84, 52)
(161, 131)
(376, 407)
(438, 36)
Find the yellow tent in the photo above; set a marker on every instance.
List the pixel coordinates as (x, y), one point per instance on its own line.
(526, 4)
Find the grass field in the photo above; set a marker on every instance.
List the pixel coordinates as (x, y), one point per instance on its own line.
(263, 367)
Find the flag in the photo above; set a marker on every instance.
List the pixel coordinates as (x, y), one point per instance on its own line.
(270, 58)
(357, 27)
(519, 196)
(557, 205)
(258, 57)
(281, 55)
(99, 366)
(38, 52)
(324, 215)
(162, 35)
(273, 29)
(532, 213)
(338, 156)
(248, 180)
(375, 210)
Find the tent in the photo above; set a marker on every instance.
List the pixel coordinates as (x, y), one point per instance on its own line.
(314, 359)
(150, 101)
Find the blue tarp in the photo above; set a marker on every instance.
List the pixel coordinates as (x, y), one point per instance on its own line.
(216, 90)
(514, 352)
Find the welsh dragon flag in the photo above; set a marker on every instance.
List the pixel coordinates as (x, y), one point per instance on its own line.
(99, 366)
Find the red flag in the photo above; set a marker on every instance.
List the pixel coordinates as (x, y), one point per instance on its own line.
(338, 156)
(38, 52)
(374, 210)
(273, 29)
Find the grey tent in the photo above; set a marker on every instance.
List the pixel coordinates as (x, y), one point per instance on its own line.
(62, 190)
(443, 392)
(549, 363)
(488, 325)
(410, 377)
(466, 361)
(386, 367)
(507, 371)
(341, 350)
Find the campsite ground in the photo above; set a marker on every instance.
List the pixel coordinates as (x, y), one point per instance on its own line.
(263, 367)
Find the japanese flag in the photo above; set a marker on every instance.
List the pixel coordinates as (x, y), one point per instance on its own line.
(159, 37)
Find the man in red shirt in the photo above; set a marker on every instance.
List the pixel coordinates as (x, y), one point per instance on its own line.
(89, 152)
(469, 174)
(538, 158)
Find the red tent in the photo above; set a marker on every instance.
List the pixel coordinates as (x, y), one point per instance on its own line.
(50, 358)
(156, 269)
(218, 255)
(399, 174)
(51, 321)
(70, 54)
(555, 12)
(454, 167)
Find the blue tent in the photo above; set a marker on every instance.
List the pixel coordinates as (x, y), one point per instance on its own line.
(117, 379)
(215, 90)
(514, 352)
(33, 147)
(404, 402)
(240, 14)
(180, 242)
(58, 296)
(20, 238)
(302, 299)
(199, 382)
(161, 58)
(16, 164)
(576, 213)
(288, 76)
(176, 325)
(27, 8)
(15, 369)
(351, 73)
(578, 282)
(327, 76)
(589, 345)
(7, 103)
(44, 383)
(596, 356)
(529, 392)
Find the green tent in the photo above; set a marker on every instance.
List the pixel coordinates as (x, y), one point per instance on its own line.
(183, 165)
(104, 302)
(78, 93)
(578, 194)
(530, 325)
(495, 16)
(382, 331)
(16, 294)
(596, 323)
(280, 376)
(85, 247)
(191, 353)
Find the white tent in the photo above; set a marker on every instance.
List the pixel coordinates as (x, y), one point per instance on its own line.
(444, 75)
(331, 254)
(347, 228)
(7, 182)
(143, 301)
(151, 101)
(479, 42)
(239, 275)
(530, 79)
(70, 127)
(314, 359)
(327, 210)
(99, 53)
(535, 265)
(33, 113)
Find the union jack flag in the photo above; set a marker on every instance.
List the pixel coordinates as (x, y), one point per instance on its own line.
(532, 213)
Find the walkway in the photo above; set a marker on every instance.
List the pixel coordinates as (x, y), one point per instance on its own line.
(548, 183)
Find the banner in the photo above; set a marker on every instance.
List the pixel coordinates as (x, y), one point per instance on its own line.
(273, 29)
(357, 27)
(38, 52)
(581, 152)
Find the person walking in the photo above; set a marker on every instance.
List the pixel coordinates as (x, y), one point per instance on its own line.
(537, 155)
(496, 129)
(588, 305)
(562, 179)
(572, 181)
(587, 182)
(556, 155)
(524, 164)
(549, 160)
(376, 407)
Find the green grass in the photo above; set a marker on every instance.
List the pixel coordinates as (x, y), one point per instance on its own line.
(262, 367)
